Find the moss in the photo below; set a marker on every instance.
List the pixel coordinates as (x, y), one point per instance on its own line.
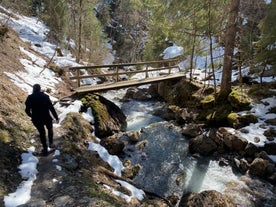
(208, 102)
(239, 100)
(4, 136)
(232, 118)
(263, 91)
(218, 115)
(77, 128)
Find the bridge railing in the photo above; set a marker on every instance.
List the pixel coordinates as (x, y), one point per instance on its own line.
(120, 69)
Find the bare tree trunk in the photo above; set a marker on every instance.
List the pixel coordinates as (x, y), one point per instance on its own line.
(211, 47)
(192, 56)
(80, 33)
(229, 48)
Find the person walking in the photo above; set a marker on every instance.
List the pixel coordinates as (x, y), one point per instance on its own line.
(38, 107)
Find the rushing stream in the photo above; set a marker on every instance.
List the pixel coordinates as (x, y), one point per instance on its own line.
(169, 169)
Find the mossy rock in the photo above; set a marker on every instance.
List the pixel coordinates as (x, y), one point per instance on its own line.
(239, 101)
(208, 102)
(232, 118)
(5, 136)
(179, 93)
(109, 118)
(238, 121)
(77, 128)
(218, 115)
(263, 90)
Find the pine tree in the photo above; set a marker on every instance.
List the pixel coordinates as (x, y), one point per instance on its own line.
(230, 35)
(266, 46)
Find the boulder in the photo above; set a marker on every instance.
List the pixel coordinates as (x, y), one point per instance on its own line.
(130, 171)
(251, 149)
(270, 148)
(238, 121)
(259, 167)
(109, 118)
(137, 94)
(192, 130)
(239, 100)
(242, 165)
(231, 140)
(133, 136)
(112, 145)
(206, 198)
(203, 145)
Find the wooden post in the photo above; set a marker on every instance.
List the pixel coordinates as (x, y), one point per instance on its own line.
(147, 71)
(78, 77)
(117, 73)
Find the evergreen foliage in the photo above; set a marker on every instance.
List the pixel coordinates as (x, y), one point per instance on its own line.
(143, 29)
(266, 46)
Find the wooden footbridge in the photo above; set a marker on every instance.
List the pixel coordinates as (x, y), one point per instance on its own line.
(92, 79)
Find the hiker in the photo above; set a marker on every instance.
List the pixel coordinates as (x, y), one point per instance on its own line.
(38, 107)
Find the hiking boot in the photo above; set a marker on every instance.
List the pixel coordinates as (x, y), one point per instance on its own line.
(44, 152)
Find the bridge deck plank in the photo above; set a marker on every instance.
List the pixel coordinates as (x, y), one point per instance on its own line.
(126, 83)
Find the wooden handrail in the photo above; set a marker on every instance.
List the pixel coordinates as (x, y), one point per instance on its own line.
(124, 64)
(78, 77)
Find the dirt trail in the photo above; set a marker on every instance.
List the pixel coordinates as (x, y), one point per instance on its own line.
(49, 178)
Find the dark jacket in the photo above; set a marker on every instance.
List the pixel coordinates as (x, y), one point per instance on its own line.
(38, 107)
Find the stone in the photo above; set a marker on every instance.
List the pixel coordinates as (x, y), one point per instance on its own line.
(192, 130)
(231, 140)
(251, 149)
(206, 198)
(113, 146)
(133, 136)
(258, 167)
(270, 148)
(203, 145)
(63, 201)
(109, 118)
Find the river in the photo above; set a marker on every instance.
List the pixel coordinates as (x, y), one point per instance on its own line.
(169, 169)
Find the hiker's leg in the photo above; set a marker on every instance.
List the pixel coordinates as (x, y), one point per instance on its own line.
(49, 126)
(42, 135)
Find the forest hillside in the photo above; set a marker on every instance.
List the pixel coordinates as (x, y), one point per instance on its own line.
(129, 32)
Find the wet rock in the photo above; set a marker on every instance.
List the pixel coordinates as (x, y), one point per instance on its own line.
(259, 167)
(63, 201)
(113, 146)
(206, 198)
(192, 130)
(272, 178)
(141, 145)
(238, 121)
(181, 115)
(203, 145)
(251, 149)
(242, 165)
(270, 148)
(137, 94)
(133, 136)
(173, 199)
(232, 141)
(130, 171)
